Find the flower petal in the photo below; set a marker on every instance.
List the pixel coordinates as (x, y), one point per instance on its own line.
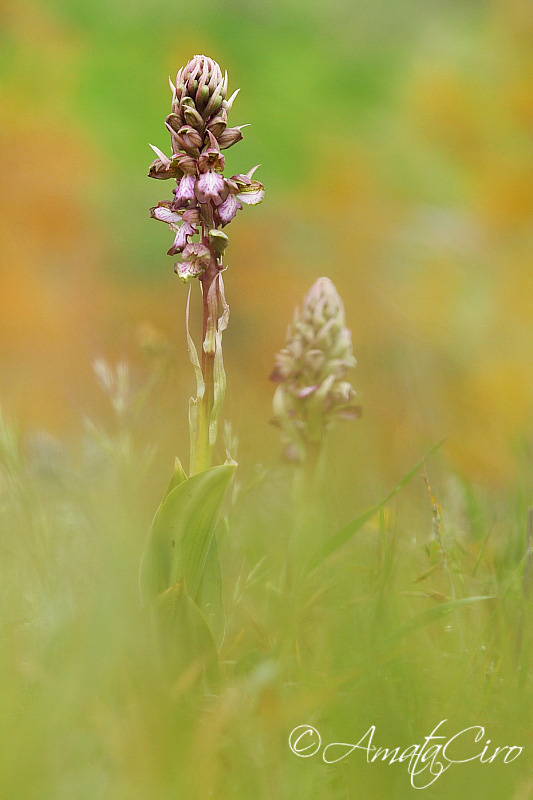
(307, 391)
(210, 185)
(228, 209)
(164, 214)
(253, 194)
(164, 159)
(185, 190)
(184, 231)
(250, 172)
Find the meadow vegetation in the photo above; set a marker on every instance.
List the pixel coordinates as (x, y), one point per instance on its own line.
(396, 155)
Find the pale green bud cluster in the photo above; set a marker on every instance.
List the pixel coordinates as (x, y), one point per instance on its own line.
(310, 371)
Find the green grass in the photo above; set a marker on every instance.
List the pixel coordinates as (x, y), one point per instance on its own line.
(371, 605)
(389, 628)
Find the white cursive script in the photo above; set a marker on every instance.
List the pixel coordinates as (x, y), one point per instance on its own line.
(426, 761)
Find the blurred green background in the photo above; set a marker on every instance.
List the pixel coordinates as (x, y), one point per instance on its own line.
(395, 142)
(395, 139)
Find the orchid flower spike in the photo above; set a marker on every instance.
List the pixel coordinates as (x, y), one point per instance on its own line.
(312, 392)
(204, 200)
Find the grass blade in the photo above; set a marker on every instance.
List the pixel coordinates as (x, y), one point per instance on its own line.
(434, 614)
(344, 534)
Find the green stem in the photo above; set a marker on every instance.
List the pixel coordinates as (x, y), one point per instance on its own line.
(204, 448)
(307, 498)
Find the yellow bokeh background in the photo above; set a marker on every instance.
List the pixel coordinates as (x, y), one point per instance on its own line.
(396, 149)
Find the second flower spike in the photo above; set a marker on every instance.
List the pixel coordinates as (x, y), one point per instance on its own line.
(310, 371)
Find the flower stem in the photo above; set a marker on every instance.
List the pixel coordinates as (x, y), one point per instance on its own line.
(308, 513)
(204, 444)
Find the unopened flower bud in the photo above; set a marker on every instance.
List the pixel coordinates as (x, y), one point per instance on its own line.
(229, 137)
(201, 81)
(218, 240)
(175, 122)
(202, 96)
(164, 167)
(163, 170)
(190, 139)
(192, 117)
(218, 125)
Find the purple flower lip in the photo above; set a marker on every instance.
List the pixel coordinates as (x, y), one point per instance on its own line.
(228, 209)
(185, 189)
(163, 213)
(184, 231)
(183, 224)
(210, 186)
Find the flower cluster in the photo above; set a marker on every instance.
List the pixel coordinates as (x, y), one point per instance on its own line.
(204, 200)
(310, 371)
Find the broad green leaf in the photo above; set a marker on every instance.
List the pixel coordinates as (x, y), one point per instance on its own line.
(341, 537)
(183, 636)
(182, 532)
(434, 614)
(209, 597)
